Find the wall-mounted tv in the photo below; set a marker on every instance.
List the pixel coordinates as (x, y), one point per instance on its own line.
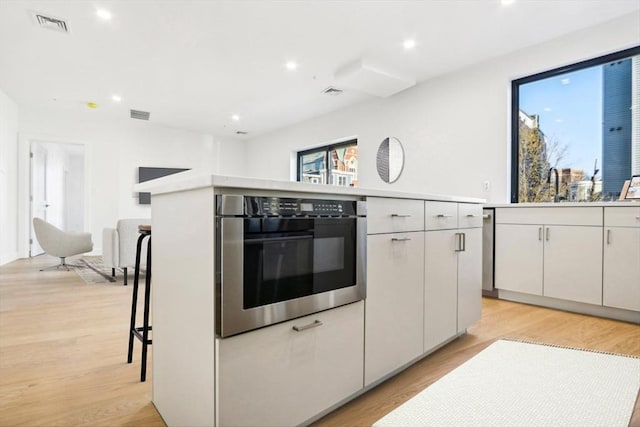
(147, 174)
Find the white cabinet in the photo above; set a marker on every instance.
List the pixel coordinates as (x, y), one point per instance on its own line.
(280, 376)
(394, 313)
(470, 278)
(551, 252)
(395, 285)
(440, 287)
(453, 270)
(518, 258)
(621, 275)
(573, 263)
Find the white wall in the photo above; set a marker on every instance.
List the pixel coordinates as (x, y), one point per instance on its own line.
(8, 179)
(113, 152)
(455, 128)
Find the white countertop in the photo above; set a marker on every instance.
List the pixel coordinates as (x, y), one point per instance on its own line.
(563, 204)
(185, 181)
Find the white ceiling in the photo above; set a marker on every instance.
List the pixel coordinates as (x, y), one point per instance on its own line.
(195, 63)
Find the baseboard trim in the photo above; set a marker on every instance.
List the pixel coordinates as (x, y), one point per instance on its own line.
(6, 259)
(576, 307)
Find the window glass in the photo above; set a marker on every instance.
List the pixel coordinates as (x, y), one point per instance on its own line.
(335, 164)
(581, 124)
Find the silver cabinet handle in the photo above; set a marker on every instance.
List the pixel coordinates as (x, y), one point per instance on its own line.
(608, 236)
(540, 233)
(400, 215)
(474, 215)
(486, 216)
(547, 234)
(443, 216)
(464, 242)
(315, 324)
(638, 218)
(458, 242)
(400, 239)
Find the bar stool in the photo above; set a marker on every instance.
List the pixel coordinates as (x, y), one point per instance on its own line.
(142, 333)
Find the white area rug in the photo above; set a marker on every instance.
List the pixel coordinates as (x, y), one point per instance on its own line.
(514, 383)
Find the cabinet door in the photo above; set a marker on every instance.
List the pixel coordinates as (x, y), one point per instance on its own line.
(518, 258)
(277, 376)
(440, 287)
(470, 278)
(621, 285)
(394, 304)
(573, 263)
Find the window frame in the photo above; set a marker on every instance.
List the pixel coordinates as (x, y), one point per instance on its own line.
(327, 150)
(515, 103)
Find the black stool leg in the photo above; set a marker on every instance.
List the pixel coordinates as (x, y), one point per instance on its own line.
(145, 326)
(125, 276)
(134, 299)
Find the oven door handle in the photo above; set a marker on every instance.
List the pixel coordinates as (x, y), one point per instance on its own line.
(315, 324)
(278, 239)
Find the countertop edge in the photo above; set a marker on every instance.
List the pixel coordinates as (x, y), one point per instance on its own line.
(172, 184)
(564, 204)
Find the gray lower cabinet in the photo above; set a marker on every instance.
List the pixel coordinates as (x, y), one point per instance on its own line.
(394, 315)
(278, 376)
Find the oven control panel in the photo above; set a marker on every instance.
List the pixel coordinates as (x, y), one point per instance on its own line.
(288, 207)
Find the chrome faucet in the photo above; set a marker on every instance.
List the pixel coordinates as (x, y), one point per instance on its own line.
(555, 195)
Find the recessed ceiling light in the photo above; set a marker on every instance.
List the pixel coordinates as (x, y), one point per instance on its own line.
(507, 2)
(104, 14)
(116, 98)
(409, 44)
(291, 65)
(235, 117)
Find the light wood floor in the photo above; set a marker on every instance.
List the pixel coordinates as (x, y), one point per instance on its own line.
(63, 352)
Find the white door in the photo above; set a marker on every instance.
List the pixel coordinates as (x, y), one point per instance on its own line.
(38, 192)
(57, 187)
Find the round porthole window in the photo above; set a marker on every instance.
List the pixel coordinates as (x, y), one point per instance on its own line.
(390, 160)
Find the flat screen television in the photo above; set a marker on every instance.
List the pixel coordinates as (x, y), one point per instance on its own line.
(147, 174)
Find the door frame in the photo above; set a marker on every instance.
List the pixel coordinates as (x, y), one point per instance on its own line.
(24, 184)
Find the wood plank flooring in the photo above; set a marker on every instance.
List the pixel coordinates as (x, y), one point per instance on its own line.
(63, 352)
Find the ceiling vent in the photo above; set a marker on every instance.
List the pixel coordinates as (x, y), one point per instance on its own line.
(333, 91)
(140, 115)
(51, 23)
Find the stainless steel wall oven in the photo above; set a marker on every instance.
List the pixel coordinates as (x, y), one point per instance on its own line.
(282, 258)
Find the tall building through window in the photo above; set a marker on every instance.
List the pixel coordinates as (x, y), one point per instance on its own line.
(583, 121)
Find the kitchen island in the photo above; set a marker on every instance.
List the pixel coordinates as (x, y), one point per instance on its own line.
(423, 289)
(582, 257)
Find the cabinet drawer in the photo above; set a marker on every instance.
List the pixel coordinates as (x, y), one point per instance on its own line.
(394, 215)
(276, 376)
(441, 215)
(623, 216)
(469, 215)
(550, 215)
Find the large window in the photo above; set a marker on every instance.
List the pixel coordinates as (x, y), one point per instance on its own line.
(335, 164)
(577, 129)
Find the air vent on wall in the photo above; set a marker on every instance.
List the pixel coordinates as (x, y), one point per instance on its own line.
(333, 91)
(140, 115)
(51, 23)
